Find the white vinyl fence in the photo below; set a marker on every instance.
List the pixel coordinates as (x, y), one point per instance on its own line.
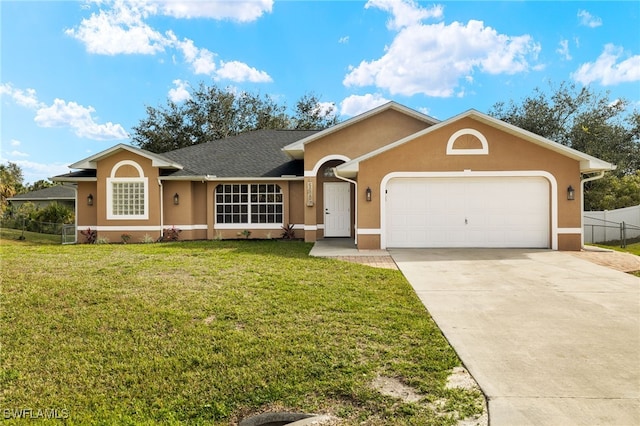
(612, 225)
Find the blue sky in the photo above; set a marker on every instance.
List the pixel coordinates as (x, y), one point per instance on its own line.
(75, 77)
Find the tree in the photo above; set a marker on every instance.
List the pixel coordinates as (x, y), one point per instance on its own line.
(212, 113)
(54, 213)
(39, 184)
(581, 119)
(311, 114)
(612, 192)
(591, 123)
(10, 183)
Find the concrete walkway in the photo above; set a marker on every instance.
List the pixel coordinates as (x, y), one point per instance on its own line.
(550, 338)
(345, 249)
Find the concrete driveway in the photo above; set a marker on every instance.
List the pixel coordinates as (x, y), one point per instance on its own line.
(550, 338)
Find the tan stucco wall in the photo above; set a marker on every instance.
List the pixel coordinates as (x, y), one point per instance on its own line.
(350, 142)
(506, 153)
(181, 214)
(296, 202)
(104, 169)
(87, 216)
(362, 137)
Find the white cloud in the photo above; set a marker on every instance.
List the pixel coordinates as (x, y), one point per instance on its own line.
(326, 108)
(432, 59)
(563, 50)
(26, 98)
(357, 104)
(240, 11)
(63, 114)
(588, 20)
(343, 40)
(78, 117)
(33, 171)
(202, 60)
(15, 142)
(239, 72)
(15, 153)
(120, 30)
(607, 70)
(405, 13)
(180, 92)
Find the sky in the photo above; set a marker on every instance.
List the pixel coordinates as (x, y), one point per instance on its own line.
(76, 76)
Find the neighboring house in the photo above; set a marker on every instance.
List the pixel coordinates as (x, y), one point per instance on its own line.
(391, 177)
(41, 198)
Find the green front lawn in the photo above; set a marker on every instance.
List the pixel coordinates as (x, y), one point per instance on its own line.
(211, 332)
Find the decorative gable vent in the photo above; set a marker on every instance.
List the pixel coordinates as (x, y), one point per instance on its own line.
(467, 142)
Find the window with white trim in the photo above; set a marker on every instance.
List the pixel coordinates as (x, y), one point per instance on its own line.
(249, 204)
(127, 198)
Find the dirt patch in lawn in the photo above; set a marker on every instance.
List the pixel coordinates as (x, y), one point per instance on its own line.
(459, 378)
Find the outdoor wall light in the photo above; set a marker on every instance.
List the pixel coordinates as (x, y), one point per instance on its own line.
(90, 199)
(176, 199)
(571, 193)
(367, 194)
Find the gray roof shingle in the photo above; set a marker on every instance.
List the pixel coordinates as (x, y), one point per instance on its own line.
(56, 192)
(251, 154)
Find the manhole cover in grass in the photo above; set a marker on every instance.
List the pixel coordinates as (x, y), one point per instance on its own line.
(274, 419)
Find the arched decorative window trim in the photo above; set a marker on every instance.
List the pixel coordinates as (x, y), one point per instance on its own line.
(467, 151)
(127, 197)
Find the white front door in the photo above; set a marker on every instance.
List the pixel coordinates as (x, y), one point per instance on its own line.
(337, 209)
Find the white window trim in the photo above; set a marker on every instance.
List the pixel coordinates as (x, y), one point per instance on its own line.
(113, 179)
(249, 225)
(467, 151)
(111, 215)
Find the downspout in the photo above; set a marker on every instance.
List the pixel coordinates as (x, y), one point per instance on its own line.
(355, 199)
(582, 182)
(161, 207)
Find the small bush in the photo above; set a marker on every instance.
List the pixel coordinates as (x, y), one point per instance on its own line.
(147, 239)
(288, 233)
(90, 235)
(171, 234)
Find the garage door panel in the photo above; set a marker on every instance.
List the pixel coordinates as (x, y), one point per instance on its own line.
(468, 212)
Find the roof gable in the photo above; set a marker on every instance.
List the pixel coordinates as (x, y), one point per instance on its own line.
(157, 160)
(296, 149)
(587, 163)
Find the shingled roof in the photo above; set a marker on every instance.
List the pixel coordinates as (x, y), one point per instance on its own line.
(56, 192)
(251, 154)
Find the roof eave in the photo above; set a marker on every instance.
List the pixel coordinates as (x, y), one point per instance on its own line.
(588, 163)
(156, 159)
(348, 170)
(73, 179)
(595, 165)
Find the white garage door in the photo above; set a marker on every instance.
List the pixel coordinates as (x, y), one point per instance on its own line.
(468, 212)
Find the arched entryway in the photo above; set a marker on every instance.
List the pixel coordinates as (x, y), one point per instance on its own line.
(333, 212)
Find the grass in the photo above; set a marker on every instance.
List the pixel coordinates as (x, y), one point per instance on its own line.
(28, 237)
(211, 332)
